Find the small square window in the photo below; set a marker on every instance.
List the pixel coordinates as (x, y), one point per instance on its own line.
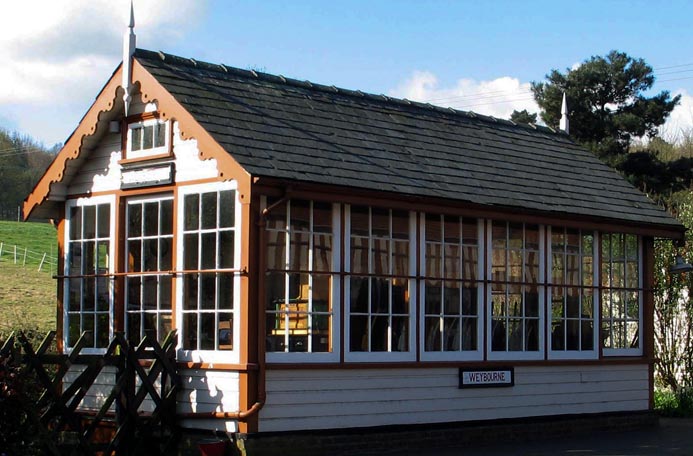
(147, 138)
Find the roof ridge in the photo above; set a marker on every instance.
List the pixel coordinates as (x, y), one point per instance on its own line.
(357, 94)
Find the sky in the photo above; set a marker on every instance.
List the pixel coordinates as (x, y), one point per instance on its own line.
(472, 55)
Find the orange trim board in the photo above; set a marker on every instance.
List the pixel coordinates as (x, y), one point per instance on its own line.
(72, 149)
(168, 107)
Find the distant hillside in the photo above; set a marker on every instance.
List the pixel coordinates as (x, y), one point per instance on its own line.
(22, 163)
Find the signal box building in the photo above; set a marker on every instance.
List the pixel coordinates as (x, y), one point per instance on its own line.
(333, 259)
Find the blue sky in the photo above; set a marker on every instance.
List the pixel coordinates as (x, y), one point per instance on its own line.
(471, 55)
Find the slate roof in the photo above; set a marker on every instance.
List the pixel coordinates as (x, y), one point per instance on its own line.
(297, 130)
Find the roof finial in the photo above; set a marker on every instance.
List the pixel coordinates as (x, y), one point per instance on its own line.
(129, 40)
(564, 124)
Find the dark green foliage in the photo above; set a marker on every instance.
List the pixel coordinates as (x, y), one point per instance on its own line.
(524, 117)
(19, 421)
(606, 105)
(671, 404)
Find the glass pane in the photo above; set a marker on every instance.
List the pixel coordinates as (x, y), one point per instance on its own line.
(299, 247)
(452, 298)
(151, 254)
(380, 296)
(531, 303)
(499, 234)
(160, 134)
(532, 335)
(276, 217)
(360, 221)
(322, 252)
(380, 220)
(470, 232)
(470, 263)
(148, 137)
(400, 260)
(451, 333)
(433, 333)
(498, 335)
(227, 208)
(359, 255)
(358, 333)
(149, 293)
(136, 134)
(400, 225)
(400, 334)
(573, 241)
(151, 326)
(515, 236)
(209, 210)
(225, 331)
(88, 328)
(102, 294)
(190, 331)
(532, 237)
(165, 252)
(434, 260)
(433, 228)
(191, 209)
(89, 222)
(275, 286)
(631, 246)
(134, 220)
(276, 253)
(190, 252)
(209, 251)
(469, 299)
(300, 215)
(190, 292)
(225, 287)
(104, 222)
(165, 321)
(359, 294)
(134, 256)
(451, 254)
(321, 293)
(433, 297)
(381, 256)
(379, 333)
(134, 327)
(226, 249)
(573, 335)
(469, 333)
(322, 217)
(207, 331)
(400, 301)
(208, 289)
(557, 268)
(165, 302)
(167, 217)
(151, 219)
(76, 223)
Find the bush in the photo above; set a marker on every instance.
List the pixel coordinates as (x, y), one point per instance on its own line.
(674, 404)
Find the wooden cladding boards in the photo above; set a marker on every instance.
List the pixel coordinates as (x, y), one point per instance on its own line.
(324, 399)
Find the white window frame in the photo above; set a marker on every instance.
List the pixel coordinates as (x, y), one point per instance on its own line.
(335, 297)
(208, 356)
(140, 200)
(460, 355)
(610, 352)
(151, 152)
(596, 321)
(82, 202)
(541, 286)
(384, 356)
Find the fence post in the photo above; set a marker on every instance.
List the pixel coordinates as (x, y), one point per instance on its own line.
(1, 245)
(15, 254)
(25, 252)
(42, 260)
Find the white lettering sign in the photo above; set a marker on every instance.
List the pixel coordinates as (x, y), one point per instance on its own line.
(481, 378)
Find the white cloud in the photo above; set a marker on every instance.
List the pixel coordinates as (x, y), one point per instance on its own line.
(680, 122)
(63, 51)
(497, 97)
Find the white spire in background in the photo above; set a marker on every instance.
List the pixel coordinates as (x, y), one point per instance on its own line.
(128, 51)
(565, 124)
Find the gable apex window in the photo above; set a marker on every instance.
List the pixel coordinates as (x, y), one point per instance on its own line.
(147, 138)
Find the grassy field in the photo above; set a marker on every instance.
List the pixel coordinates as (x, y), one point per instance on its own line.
(27, 296)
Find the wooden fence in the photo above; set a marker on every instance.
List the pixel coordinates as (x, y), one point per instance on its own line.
(137, 416)
(26, 257)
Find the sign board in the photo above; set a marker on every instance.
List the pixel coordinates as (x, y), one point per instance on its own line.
(146, 176)
(487, 378)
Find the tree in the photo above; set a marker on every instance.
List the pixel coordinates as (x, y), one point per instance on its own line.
(524, 117)
(606, 105)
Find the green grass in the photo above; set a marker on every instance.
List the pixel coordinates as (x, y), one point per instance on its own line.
(27, 296)
(37, 237)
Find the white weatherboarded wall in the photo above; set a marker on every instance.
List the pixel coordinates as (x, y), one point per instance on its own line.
(209, 391)
(325, 399)
(201, 391)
